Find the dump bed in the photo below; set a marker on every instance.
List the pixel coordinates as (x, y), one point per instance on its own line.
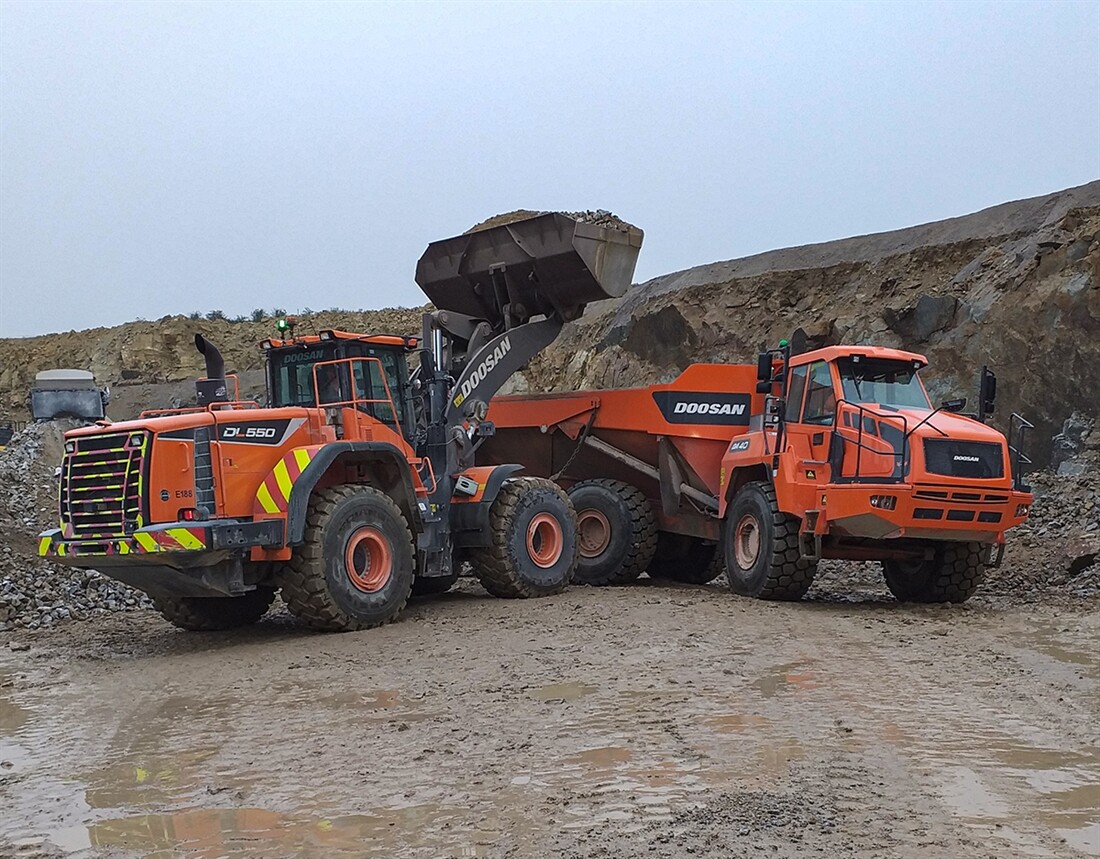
(691, 421)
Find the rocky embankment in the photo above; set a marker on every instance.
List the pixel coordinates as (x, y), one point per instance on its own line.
(1015, 287)
(34, 593)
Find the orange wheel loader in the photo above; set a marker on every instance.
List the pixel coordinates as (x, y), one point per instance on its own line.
(358, 483)
(761, 471)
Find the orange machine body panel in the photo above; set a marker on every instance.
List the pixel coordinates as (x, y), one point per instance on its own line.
(707, 429)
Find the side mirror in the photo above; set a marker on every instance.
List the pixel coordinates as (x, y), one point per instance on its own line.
(764, 373)
(987, 393)
(764, 367)
(954, 405)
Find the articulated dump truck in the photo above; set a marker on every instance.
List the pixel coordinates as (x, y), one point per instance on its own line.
(358, 483)
(761, 471)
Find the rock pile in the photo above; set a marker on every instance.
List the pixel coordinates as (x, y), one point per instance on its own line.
(1059, 546)
(34, 593)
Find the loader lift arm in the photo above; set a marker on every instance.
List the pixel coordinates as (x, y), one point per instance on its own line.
(502, 296)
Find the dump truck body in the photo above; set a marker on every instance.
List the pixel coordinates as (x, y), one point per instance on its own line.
(359, 483)
(67, 393)
(856, 477)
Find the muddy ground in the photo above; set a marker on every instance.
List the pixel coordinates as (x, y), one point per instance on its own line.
(650, 720)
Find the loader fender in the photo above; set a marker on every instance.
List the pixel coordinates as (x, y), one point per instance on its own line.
(348, 452)
(470, 515)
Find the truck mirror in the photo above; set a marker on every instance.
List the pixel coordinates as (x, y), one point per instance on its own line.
(764, 368)
(987, 393)
(954, 405)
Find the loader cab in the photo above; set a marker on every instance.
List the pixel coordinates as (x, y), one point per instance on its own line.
(300, 373)
(847, 408)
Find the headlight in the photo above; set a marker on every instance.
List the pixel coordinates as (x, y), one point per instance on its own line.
(70, 447)
(1021, 510)
(136, 440)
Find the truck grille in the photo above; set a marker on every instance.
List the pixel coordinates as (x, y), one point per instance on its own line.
(983, 460)
(101, 485)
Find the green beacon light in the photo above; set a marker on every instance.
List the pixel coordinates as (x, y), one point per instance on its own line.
(783, 344)
(283, 326)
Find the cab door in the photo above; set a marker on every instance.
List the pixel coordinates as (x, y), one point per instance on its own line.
(811, 410)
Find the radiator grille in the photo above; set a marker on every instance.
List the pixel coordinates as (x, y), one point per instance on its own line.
(102, 483)
(983, 460)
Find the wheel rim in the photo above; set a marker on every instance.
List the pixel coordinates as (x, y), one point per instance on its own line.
(544, 540)
(593, 533)
(368, 560)
(746, 541)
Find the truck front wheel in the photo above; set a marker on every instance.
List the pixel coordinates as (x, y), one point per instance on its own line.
(952, 574)
(355, 568)
(533, 541)
(761, 547)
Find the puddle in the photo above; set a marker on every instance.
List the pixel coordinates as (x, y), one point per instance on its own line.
(12, 717)
(604, 757)
(734, 722)
(784, 679)
(239, 832)
(563, 691)
(1066, 645)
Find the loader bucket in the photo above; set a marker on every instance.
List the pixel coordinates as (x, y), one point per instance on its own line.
(541, 266)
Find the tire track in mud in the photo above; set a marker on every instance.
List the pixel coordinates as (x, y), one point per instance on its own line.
(613, 722)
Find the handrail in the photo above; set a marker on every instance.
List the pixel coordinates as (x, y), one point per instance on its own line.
(1016, 455)
(860, 446)
(356, 400)
(191, 410)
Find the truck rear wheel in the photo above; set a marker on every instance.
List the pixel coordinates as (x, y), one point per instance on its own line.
(616, 532)
(355, 568)
(201, 614)
(533, 544)
(681, 558)
(951, 575)
(761, 547)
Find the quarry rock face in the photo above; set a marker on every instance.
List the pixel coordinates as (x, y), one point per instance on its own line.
(1015, 287)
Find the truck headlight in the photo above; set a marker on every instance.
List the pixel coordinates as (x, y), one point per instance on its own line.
(1021, 510)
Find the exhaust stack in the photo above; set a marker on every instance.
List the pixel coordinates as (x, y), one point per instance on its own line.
(212, 389)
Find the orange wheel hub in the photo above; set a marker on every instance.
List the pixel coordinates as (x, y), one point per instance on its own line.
(544, 540)
(746, 541)
(593, 533)
(368, 559)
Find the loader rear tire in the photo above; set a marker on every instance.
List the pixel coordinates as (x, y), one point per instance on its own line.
(761, 547)
(951, 575)
(533, 544)
(616, 532)
(355, 569)
(204, 614)
(681, 558)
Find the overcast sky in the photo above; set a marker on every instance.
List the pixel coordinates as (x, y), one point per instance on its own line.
(161, 157)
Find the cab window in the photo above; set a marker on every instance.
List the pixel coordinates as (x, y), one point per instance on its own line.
(292, 376)
(795, 392)
(371, 381)
(820, 398)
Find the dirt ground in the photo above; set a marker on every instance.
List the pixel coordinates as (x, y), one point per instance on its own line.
(650, 720)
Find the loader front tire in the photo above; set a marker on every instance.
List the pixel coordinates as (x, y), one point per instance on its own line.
(952, 574)
(355, 569)
(616, 532)
(761, 547)
(533, 541)
(681, 558)
(206, 614)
